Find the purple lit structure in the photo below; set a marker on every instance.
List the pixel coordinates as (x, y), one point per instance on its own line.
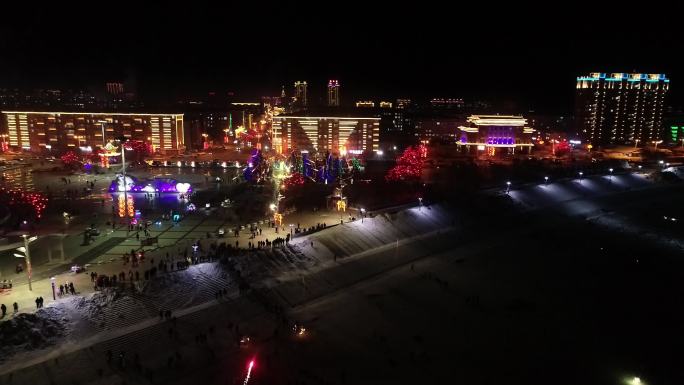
(161, 185)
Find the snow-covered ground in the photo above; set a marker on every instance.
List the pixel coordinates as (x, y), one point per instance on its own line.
(560, 292)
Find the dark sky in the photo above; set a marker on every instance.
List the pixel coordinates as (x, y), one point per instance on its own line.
(505, 55)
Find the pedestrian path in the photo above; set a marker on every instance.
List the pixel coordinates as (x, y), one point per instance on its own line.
(80, 260)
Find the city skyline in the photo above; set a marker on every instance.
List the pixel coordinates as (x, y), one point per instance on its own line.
(517, 67)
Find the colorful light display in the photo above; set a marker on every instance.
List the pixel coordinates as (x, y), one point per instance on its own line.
(30, 205)
(69, 158)
(126, 206)
(409, 165)
(295, 179)
(160, 185)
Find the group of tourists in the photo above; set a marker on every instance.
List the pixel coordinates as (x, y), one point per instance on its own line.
(66, 288)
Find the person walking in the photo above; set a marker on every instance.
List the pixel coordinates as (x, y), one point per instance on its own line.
(16, 307)
(3, 308)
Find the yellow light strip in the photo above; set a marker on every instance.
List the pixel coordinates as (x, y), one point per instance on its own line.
(320, 117)
(88, 113)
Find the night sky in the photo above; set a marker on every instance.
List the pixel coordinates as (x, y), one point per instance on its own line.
(518, 59)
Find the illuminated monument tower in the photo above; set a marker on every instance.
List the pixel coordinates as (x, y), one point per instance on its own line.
(333, 93)
(620, 108)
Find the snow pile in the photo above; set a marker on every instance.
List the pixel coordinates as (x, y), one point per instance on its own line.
(93, 307)
(27, 331)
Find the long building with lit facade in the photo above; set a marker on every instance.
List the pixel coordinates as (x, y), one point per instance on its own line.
(321, 134)
(495, 134)
(59, 131)
(620, 108)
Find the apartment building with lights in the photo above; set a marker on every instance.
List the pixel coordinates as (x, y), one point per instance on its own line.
(321, 134)
(620, 108)
(495, 134)
(59, 131)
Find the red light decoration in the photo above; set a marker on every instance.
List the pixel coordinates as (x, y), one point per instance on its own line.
(140, 147)
(409, 164)
(69, 158)
(562, 148)
(25, 204)
(249, 135)
(295, 179)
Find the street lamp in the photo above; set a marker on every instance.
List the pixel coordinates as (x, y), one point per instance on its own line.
(102, 123)
(363, 213)
(122, 141)
(610, 177)
(508, 187)
(656, 143)
(52, 283)
(420, 203)
(27, 255)
(636, 141)
(580, 176)
(546, 180)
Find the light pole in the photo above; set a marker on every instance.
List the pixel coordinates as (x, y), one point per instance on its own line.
(27, 255)
(363, 214)
(580, 176)
(508, 187)
(420, 203)
(102, 123)
(546, 180)
(610, 177)
(122, 141)
(656, 142)
(636, 142)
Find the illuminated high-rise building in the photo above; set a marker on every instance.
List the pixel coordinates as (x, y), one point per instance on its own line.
(403, 103)
(115, 88)
(620, 108)
(333, 93)
(300, 94)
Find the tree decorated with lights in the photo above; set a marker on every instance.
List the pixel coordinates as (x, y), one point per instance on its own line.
(296, 179)
(356, 164)
(69, 159)
(23, 205)
(280, 170)
(140, 148)
(409, 165)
